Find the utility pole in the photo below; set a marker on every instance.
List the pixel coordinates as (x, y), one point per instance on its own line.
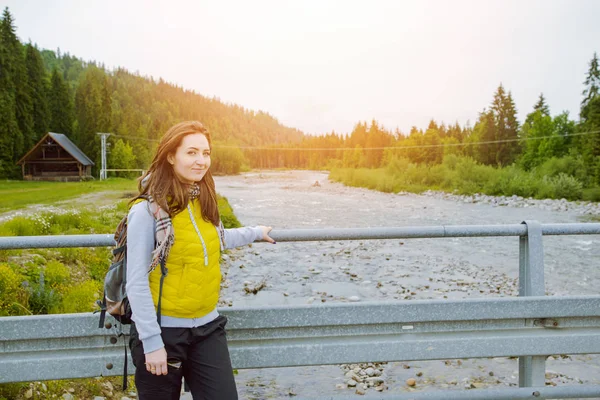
(103, 137)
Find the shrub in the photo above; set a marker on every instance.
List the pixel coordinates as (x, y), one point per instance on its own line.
(386, 185)
(12, 293)
(546, 189)
(226, 212)
(523, 184)
(81, 298)
(568, 165)
(470, 171)
(436, 175)
(568, 187)
(415, 174)
(397, 166)
(43, 299)
(19, 226)
(227, 159)
(450, 161)
(57, 275)
(591, 194)
(94, 261)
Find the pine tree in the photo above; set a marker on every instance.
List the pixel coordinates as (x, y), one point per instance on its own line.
(506, 127)
(483, 133)
(589, 146)
(541, 105)
(592, 86)
(11, 138)
(512, 132)
(60, 106)
(38, 84)
(433, 125)
(537, 150)
(15, 65)
(92, 110)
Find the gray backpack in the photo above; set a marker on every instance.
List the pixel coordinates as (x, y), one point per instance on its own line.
(115, 300)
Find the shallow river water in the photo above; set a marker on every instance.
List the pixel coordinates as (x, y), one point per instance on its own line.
(391, 270)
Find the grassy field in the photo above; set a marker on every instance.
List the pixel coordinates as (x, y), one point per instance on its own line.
(15, 195)
(66, 280)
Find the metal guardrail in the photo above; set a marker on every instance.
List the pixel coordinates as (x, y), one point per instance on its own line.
(311, 235)
(71, 345)
(531, 326)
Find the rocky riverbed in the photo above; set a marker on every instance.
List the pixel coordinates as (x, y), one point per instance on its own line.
(580, 207)
(395, 270)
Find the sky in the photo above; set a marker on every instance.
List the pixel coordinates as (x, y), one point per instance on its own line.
(324, 65)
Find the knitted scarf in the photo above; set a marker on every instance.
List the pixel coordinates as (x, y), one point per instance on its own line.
(164, 233)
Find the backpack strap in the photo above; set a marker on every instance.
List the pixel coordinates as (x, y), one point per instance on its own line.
(121, 334)
(102, 305)
(125, 365)
(163, 273)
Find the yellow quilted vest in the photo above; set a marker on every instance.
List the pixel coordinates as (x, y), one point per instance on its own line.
(190, 289)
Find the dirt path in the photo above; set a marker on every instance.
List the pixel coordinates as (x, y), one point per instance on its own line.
(90, 200)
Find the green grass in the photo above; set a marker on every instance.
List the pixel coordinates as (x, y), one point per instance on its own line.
(15, 195)
(46, 281)
(463, 175)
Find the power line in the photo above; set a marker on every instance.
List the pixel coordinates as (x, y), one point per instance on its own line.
(424, 146)
(135, 138)
(413, 147)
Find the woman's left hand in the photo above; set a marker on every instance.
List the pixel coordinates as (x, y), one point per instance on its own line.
(266, 237)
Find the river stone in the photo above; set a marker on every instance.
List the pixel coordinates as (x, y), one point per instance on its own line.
(356, 377)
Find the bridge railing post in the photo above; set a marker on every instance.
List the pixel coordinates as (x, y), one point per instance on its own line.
(532, 369)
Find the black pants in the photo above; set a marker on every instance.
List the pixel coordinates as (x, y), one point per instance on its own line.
(205, 364)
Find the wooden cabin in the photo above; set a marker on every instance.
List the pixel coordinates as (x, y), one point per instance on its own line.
(55, 158)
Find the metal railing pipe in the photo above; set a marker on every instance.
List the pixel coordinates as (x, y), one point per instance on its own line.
(304, 235)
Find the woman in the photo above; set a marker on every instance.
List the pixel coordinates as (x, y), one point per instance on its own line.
(175, 219)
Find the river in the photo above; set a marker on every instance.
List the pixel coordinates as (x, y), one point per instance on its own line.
(391, 270)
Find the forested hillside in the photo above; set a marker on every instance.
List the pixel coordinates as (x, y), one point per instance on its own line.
(44, 90)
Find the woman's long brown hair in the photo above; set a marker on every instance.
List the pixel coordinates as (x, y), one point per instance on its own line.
(163, 185)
